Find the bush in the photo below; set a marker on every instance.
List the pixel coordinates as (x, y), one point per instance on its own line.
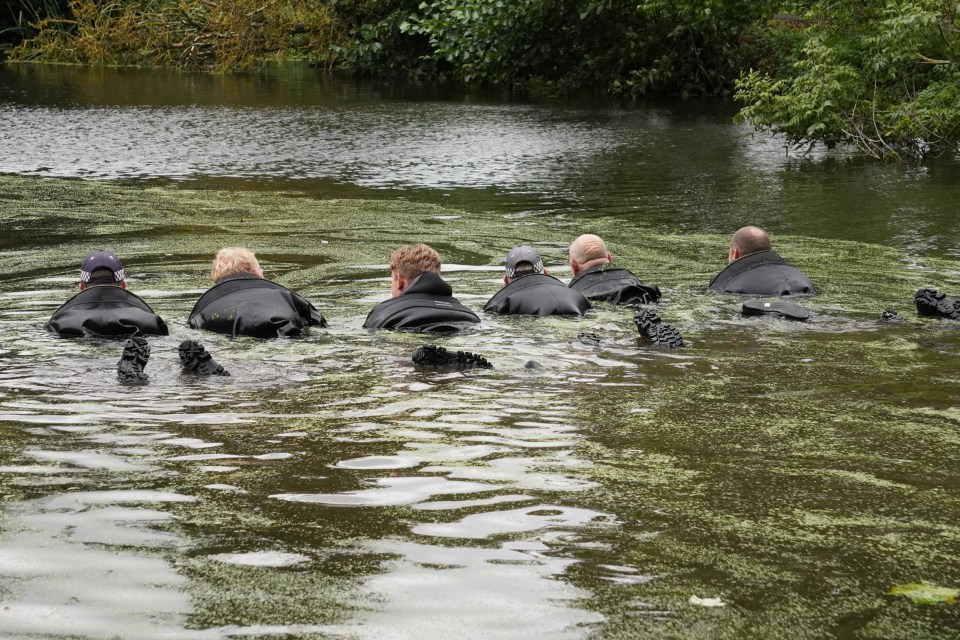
(372, 42)
(192, 34)
(883, 75)
(627, 48)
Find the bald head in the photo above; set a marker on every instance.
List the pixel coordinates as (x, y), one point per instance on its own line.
(588, 251)
(748, 240)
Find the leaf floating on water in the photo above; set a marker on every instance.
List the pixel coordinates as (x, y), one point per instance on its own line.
(707, 602)
(926, 593)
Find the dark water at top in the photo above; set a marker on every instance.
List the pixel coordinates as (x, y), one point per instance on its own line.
(799, 473)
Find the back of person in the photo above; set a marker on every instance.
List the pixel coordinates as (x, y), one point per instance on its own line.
(241, 305)
(107, 312)
(530, 290)
(104, 307)
(606, 283)
(595, 276)
(421, 300)
(244, 303)
(424, 309)
(762, 274)
(754, 269)
(538, 294)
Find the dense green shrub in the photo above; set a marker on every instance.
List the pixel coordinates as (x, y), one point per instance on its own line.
(371, 41)
(882, 74)
(682, 47)
(624, 47)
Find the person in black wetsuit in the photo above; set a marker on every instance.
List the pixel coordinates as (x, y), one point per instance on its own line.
(244, 303)
(529, 290)
(596, 277)
(755, 269)
(421, 300)
(104, 307)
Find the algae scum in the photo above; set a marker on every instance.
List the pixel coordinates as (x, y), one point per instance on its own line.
(771, 479)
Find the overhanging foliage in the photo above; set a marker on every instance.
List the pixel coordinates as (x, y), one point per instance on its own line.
(881, 74)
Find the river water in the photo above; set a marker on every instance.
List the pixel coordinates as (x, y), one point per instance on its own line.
(799, 474)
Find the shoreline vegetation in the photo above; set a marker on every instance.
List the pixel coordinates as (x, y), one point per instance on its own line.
(883, 75)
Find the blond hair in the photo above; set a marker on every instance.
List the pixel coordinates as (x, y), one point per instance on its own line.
(412, 260)
(231, 260)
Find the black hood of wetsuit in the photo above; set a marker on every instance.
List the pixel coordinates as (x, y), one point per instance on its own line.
(607, 283)
(538, 294)
(427, 305)
(245, 305)
(105, 311)
(764, 274)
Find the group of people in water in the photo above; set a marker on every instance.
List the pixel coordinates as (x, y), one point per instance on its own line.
(242, 302)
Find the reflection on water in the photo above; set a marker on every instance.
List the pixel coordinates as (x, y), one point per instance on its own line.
(456, 448)
(678, 167)
(328, 488)
(509, 591)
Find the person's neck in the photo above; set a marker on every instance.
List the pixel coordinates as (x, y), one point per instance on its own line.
(237, 274)
(593, 263)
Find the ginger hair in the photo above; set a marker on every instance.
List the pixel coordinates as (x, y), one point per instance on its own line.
(412, 260)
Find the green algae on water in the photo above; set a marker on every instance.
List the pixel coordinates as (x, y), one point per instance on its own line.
(923, 593)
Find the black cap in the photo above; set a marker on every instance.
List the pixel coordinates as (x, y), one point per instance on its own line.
(523, 253)
(101, 259)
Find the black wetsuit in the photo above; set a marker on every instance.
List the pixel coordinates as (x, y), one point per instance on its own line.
(538, 294)
(607, 283)
(106, 311)
(244, 305)
(427, 305)
(763, 273)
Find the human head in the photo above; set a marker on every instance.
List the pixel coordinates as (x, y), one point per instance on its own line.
(231, 260)
(409, 262)
(588, 251)
(102, 267)
(748, 240)
(522, 261)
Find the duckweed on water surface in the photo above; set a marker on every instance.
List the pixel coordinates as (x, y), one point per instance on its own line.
(799, 472)
(926, 593)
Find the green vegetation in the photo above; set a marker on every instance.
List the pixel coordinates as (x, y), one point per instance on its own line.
(686, 48)
(884, 75)
(221, 35)
(656, 46)
(880, 74)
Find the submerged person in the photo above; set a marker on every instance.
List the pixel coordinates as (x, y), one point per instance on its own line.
(104, 307)
(244, 303)
(598, 279)
(755, 269)
(530, 290)
(421, 300)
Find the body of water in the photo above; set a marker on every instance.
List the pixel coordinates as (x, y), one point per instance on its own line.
(768, 480)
